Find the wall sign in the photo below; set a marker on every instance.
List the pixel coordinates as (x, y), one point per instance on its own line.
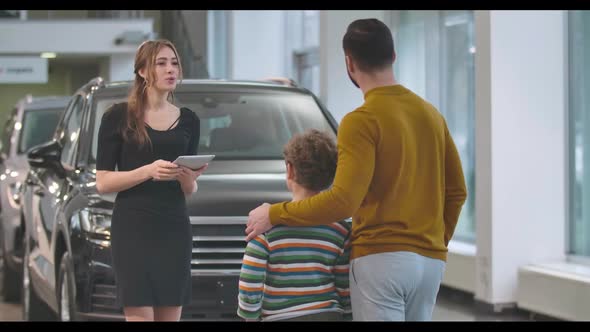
(23, 69)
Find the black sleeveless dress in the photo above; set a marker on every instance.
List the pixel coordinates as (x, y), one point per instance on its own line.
(151, 238)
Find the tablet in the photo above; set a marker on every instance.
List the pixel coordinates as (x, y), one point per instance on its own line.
(194, 162)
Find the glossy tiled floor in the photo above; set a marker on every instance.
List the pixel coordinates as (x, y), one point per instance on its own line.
(451, 306)
(447, 309)
(10, 312)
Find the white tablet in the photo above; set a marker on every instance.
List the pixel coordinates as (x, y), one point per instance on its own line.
(194, 162)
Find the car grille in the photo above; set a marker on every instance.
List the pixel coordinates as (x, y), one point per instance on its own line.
(218, 244)
(218, 249)
(104, 299)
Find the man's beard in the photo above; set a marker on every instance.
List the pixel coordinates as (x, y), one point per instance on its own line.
(352, 80)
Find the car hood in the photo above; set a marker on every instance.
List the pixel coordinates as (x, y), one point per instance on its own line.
(227, 188)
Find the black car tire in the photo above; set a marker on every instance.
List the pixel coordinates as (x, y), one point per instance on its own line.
(11, 284)
(66, 290)
(33, 308)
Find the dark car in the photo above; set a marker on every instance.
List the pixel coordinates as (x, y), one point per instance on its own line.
(67, 250)
(31, 122)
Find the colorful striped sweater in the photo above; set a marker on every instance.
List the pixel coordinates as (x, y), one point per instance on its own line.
(293, 271)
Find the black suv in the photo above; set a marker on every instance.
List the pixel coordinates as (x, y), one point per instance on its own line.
(67, 250)
(32, 122)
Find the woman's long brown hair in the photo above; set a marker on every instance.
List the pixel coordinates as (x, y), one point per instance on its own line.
(137, 99)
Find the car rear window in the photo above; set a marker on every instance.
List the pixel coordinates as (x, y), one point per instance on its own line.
(243, 126)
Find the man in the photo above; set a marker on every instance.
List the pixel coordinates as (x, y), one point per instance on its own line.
(399, 175)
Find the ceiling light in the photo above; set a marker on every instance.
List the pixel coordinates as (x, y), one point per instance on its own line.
(48, 55)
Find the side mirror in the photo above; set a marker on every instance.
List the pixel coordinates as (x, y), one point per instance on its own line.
(45, 155)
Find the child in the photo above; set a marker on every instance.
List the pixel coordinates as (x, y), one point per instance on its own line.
(299, 273)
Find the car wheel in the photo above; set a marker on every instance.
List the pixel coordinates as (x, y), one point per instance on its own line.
(10, 283)
(66, 290)
(33, 309)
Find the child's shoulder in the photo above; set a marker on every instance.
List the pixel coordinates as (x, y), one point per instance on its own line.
(346, 223)
(285, 230)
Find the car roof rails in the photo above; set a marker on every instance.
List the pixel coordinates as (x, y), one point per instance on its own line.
(98, 80)
(281, 80)
(95, 81)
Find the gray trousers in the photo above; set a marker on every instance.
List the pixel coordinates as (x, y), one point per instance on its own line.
(394, 286)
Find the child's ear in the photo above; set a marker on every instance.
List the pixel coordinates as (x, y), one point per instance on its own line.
(290, 173)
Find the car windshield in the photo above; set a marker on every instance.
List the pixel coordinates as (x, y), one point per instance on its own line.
(38, 127)
(242, 125)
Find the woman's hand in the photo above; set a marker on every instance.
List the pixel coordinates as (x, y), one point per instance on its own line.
(161, 170)
(187, 178)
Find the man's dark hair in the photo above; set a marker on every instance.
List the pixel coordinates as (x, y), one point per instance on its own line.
(369, 43)
(313, 156)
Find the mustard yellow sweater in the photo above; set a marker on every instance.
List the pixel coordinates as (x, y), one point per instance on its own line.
(399, 176)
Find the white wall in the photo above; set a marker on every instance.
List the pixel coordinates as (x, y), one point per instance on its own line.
(121, 67)
(520, 132)
(336, 90)
(104, 68)
(69, 36)
(256, 43)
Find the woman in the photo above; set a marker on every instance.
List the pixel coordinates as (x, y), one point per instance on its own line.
(151, 236)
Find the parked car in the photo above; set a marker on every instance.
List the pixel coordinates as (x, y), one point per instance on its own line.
(31, 122)
(68, 266)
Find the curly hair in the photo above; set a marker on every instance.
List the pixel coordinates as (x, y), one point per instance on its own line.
(313, 156)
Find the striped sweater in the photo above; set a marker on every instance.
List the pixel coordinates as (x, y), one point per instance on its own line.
(293, 271)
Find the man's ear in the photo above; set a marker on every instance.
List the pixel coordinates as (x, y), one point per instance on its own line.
(349, 63)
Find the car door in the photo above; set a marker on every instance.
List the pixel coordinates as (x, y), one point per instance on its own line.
(50, 183)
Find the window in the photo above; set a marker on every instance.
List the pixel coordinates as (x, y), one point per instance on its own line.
(242, 125)
(38, 127)
(579, 132)
(217, 43)
(231, 123)
(18, 14)
(435, 59)
(97, 111)
(69, 136)
(302, 48)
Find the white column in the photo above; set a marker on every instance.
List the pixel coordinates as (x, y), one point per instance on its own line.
(336, 90)
(104, 66)
(121, 67)
(585, 104)
(520, 146)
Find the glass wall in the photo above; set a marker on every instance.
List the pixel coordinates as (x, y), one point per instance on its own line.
(300, 45)
(435, 59)
(10, 13)
(217, 43)
(579, 132)
(302, 42)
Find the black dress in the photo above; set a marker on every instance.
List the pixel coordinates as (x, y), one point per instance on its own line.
(151, 238)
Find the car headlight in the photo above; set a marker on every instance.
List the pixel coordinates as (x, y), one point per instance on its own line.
(95, 222)
(15, 191)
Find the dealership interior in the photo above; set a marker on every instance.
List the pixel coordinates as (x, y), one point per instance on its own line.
(509, 83)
